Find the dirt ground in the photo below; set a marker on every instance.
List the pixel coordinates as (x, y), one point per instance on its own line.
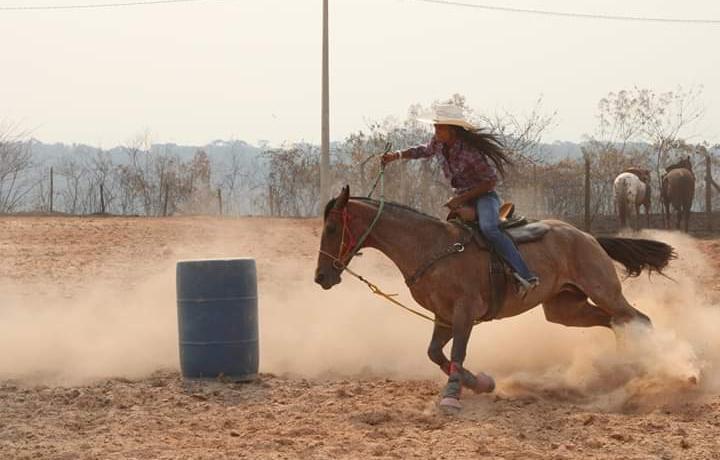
(90, 370)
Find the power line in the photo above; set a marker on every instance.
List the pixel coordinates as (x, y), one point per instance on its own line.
(610, 17)
(94, 5)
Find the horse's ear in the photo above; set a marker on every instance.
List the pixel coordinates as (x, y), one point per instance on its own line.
(342, 200)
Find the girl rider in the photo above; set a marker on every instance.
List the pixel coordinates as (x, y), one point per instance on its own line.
(463, 152)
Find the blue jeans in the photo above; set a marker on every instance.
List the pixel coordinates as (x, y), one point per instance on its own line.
(488, 211)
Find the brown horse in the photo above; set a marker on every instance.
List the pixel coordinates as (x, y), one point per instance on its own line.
(678, 189)
(573, 267)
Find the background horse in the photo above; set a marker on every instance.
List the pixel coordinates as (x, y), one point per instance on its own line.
(678, 189)
(580, 286)
(631, 189)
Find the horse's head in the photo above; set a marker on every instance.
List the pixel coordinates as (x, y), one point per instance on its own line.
(336, 242)
(685, 163)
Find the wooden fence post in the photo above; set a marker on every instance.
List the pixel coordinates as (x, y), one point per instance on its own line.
(165, 204)
(587, 193)
(535, 207)
(51, 189)
(102, 199)
(708, 190)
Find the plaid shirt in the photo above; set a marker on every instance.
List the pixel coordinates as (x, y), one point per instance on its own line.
(462, 164)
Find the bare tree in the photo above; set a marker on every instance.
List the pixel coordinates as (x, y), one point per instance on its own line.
(643, 115)
(103, 177)
(292, 184)
(73, 172)
(15, 168)
(521, 134)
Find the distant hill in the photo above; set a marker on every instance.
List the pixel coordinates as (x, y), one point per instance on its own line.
(218, 150)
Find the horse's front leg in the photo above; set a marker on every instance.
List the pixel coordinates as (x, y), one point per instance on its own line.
(482, 383)
(461, 329)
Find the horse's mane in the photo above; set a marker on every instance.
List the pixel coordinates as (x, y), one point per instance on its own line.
(394, 205)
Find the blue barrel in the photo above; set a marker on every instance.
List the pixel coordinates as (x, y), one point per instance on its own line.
(218, 318)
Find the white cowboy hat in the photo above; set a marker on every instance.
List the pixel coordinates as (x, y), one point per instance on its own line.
(447, 114)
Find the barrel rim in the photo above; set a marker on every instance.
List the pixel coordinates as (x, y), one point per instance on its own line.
(218, 259)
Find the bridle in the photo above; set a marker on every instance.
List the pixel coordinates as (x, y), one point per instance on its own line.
(349, 245)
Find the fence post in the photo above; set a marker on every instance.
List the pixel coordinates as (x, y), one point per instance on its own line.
(219, 196)
(51, 189)
(587, 193)
(102, 199)
(167, 196)
(535, 206)
(708, 190)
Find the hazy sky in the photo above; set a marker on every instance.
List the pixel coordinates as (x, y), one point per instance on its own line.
(195, 72)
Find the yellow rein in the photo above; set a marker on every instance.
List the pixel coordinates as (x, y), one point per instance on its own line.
(377, 291)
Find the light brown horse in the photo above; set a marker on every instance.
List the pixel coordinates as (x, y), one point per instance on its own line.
(678, 189)
(631, 189)
(575, 268)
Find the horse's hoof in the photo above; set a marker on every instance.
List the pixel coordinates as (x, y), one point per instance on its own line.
(450, 406)
(485, 383)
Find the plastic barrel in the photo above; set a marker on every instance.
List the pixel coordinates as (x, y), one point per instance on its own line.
(218, 318)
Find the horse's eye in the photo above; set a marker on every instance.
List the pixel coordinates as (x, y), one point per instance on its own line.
(331, 228)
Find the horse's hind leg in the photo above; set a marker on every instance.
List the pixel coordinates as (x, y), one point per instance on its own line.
(600, 282)
(614, 303)
(573, 309)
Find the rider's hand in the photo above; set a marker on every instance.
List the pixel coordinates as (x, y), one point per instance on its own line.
(390, 157)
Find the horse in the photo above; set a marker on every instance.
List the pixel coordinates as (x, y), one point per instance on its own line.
(631, 189)
(678, 189)
(580, 286)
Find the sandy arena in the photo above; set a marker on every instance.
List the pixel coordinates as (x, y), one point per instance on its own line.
(89, 367)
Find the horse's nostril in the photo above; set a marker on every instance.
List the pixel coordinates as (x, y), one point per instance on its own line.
(319, 278)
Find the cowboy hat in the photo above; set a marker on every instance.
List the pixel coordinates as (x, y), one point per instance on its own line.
(447, 114)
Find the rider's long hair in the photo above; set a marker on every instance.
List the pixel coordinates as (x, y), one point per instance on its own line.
(489, 145)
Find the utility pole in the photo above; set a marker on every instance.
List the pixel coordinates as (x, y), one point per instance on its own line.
(325, 135)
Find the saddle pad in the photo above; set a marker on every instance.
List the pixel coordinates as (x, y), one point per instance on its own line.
(525, 234)
(528, 233)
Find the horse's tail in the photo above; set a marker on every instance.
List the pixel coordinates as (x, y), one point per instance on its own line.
(637, 255)
(621, 198)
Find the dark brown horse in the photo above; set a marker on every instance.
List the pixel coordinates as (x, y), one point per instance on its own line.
(580, 286)
(678, 189)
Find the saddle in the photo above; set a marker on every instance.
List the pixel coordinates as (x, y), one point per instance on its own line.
(518, 228)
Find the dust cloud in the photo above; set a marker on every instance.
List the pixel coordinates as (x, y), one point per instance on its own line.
(107, 330)
(111, 330)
